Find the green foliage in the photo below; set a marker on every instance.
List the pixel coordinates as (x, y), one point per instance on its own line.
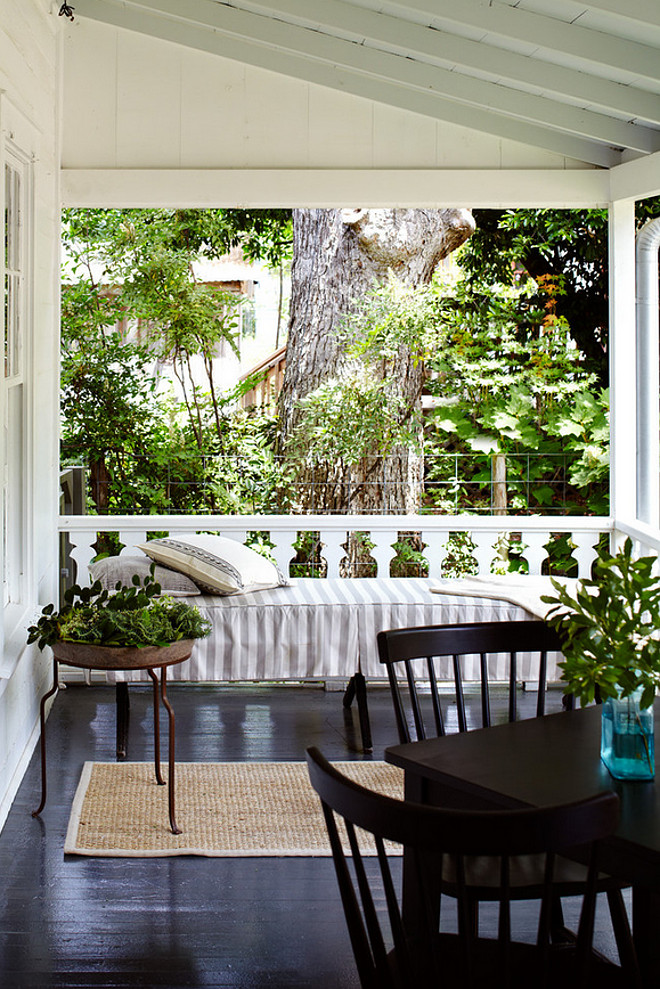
(247, 475)
(144, 451)
(133, 615)
(610, 629)
(409, 560)
(351, 418)
(262, 234)
(498, 350)
(510, 381)
(362, 412)
(565, 250)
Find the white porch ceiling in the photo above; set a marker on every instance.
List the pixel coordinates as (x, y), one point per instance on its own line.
(581, 79)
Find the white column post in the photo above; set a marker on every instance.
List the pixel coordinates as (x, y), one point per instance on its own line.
(622, 361)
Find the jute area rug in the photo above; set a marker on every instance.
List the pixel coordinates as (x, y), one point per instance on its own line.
(223, 809)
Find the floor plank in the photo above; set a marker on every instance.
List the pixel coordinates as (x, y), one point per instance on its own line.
(175, 922)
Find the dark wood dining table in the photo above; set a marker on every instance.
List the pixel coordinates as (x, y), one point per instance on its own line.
(541, 761)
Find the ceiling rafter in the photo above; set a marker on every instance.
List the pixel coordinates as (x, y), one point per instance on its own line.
(291, 44)
(430, 44)
(547, 33)
(642, 11)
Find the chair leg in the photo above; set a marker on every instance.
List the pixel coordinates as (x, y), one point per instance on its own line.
(623, 937)
(559, 933)
(473, 907)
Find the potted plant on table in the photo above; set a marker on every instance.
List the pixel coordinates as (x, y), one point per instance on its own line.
(119, 629)
(610, 640)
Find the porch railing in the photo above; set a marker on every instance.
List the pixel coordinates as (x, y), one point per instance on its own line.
(534, 535)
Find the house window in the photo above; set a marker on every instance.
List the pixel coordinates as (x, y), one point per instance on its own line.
(13, 383)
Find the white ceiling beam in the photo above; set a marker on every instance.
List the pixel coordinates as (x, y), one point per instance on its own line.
(546, 33)
(414, 40)
(325, 71)
(642, 11)
(637, 179)
(335, 188)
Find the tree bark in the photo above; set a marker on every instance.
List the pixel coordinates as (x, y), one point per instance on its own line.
(338, 256)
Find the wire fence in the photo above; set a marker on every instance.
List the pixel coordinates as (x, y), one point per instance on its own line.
(449, 484)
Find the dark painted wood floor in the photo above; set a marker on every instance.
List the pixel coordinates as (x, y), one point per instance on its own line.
(175, 922)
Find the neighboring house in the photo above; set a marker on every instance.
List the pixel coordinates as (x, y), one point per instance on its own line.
(258, 326)
(444, 104)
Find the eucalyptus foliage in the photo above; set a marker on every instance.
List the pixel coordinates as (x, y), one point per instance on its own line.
(610, 629)
(134, 615)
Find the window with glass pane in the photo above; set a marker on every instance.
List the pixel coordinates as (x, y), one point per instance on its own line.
(13, 272)
(13, 449)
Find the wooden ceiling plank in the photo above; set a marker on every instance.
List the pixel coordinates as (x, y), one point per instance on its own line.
(388, 68)
(327, 73)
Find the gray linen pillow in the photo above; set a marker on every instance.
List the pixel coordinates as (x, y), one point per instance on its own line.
(113, 568)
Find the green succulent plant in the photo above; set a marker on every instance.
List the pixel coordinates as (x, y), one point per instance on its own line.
(131, 615)
(610, 630)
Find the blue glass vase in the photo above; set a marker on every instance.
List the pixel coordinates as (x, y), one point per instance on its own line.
(626, 746)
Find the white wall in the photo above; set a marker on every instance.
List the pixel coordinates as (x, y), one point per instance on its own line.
(30, 70)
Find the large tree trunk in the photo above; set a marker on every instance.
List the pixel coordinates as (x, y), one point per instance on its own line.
(338, 256)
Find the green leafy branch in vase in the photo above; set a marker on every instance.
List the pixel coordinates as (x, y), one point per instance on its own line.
(610, 629)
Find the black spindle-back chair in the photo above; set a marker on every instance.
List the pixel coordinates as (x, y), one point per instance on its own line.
(393, 951)
(416, 653)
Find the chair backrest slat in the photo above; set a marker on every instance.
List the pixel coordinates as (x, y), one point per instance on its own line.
(485, 691)
(400, 648)
(459, 693)
(438, 717)
(513, 680)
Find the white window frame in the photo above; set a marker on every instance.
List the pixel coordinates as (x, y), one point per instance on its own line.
(17, 152)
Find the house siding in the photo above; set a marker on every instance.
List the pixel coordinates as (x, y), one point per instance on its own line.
(137, 102)
(30, 81)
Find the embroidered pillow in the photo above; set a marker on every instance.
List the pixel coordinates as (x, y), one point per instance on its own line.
(216, 564)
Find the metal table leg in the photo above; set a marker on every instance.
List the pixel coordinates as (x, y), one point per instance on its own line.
(42, 721)
(170, 714)
(170, 764)
(159, 776)
(123, 717)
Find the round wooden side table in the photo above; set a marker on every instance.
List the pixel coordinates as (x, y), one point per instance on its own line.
(149, 658)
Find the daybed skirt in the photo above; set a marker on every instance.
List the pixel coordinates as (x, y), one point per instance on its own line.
(321, 628)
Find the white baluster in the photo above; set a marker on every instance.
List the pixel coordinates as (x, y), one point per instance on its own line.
(283, 550)
(535, 551)
(82, 553)
(383, 551)
(130, 539)
(332, 550)
(585, 551)
(435, 550)
(484, 552)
